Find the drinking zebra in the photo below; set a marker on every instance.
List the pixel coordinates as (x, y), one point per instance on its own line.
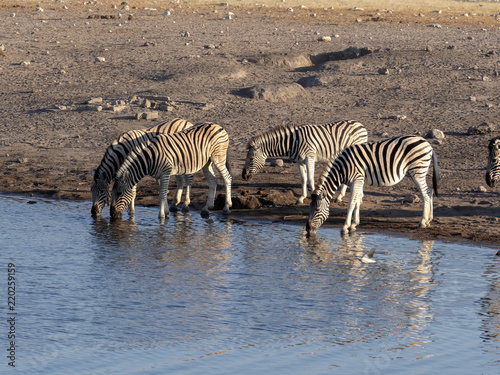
(118, 151)
(304, 145)
(493, 168)
(382, 163)
(186, 152)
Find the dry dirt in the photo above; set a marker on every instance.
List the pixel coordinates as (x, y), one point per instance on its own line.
(443, 74)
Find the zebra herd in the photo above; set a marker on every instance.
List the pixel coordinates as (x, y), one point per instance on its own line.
(180, 148)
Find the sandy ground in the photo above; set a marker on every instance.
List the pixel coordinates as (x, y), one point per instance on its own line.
(443, 73)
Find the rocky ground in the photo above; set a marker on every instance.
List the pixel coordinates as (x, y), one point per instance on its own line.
(73, 79)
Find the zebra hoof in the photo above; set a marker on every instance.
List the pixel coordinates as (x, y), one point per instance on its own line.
(344, 230)
(205, 213)
(226, 211)
(185, 208)
(423, 224)
(299, 201)
(173, 208)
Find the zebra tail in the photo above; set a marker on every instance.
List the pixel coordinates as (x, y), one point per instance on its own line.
(435, 173)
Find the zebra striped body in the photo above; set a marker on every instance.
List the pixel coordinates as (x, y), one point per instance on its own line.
(117, 152)
(186, 152)
(382, 163)
(304, 145)
(493, 168)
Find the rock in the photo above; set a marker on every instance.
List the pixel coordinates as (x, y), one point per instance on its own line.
(384, 71)
(398, 117)
(315, 81)
(39, 9)
(481, 189)
(275, 93)
(436, 25)
(100, 59)
(276, 197)
(325, 39)
(97, 100)
(147, 115)
(435, 134)
(277, 163)
(119, 108)
(410, 198)
(483, 128)
(22, 160)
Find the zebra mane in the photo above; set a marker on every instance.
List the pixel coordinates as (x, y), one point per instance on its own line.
(260, 138)
(130, 159)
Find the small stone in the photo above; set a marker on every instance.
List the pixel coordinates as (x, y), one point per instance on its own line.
(411, 198)
(435, 25)
(150, 115)
(383, 71)
(167, 13)
(481, 189)
(100, 59)
(483, 128)
(22, 160)
(25, 63)
(97, 100)
(277, 163)
(398, 117)
(39, 9)
(435, 134)
(325, 39)
(118, 108)
(472, 99)
(485, 78)
(146, 103)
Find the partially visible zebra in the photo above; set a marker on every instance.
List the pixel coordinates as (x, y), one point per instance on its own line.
(118, 151)
(382, 163)
(305, 145)
(493, 168)
(186, 152)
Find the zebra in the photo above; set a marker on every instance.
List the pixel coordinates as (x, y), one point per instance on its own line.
(493, 168)
(186, 152)
(383, 163)
(117, 152)
(304, 145)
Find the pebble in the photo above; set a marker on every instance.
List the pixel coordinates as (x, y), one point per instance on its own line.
(435, 134)
(325, 39)
(100, 59)
(277, 163)
(483, 128)
(97, 100)
(384, 71)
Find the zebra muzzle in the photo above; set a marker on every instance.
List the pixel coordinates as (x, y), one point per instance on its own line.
(245, 175)
(115, 214)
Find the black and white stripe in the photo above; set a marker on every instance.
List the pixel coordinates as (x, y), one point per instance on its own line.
(116, 153)
(304, 145)
(200, 147)
(493, 168)
(382, 163)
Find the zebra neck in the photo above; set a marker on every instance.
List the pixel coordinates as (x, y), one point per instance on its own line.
(335, 178)
(280, 143)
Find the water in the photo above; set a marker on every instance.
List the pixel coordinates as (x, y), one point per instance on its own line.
(223, 296)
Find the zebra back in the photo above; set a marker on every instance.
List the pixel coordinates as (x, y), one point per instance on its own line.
(133, 140)
(324, 142)
(178, 153)
(320, 142)
(382, 163)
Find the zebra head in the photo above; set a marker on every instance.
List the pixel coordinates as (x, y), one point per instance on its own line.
(100, 191)
(493, 169)
(255, 161)
(319, 209)
(121, 196)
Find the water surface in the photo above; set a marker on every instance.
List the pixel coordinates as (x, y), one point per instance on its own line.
(220, 296)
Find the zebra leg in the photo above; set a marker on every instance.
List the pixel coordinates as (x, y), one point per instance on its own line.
(164, 180)
(226, 176)
(310, 174)
(342, 191)
(354, 204)
(303, 181)
(426, 194)
(188, 181)
(212, 187)
(131, 207)
(179, 180)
